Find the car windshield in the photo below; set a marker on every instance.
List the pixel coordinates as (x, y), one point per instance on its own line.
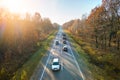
(65, 47)
(56, 63)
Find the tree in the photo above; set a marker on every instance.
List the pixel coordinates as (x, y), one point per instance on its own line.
(37, 17)
(118, 40)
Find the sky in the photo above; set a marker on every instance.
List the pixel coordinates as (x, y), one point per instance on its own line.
(58, 11)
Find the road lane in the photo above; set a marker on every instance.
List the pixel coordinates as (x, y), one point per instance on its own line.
(76, 63)
(45, 67)
(69, 68)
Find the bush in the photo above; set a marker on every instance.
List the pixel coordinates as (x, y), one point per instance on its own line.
(24, 75)
(4, 74)
(89, 50)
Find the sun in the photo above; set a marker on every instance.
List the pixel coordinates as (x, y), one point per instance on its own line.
(13, 5)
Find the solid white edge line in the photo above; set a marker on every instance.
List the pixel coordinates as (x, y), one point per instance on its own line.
(45, 67)
(76, 62)
(47, 60)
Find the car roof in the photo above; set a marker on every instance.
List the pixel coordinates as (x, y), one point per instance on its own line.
(55, 60)
(56, 40)
(65, 46)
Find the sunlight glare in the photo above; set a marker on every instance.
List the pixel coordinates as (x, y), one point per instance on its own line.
(13, 5)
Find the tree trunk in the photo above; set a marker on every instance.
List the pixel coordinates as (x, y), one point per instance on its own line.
(118, 44)
(105, 42)
(96, 38)
(110, 37)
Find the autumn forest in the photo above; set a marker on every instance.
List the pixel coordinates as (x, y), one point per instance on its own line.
(99, 36)
(24, 40)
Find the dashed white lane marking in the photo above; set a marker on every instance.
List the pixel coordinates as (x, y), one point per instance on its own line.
(77, 63)
(62, 66)
(45, 67)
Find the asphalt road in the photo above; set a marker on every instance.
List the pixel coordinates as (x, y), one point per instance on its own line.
(70, 69)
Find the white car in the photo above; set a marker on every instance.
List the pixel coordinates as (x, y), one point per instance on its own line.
(56, 64)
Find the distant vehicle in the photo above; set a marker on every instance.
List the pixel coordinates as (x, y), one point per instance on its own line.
(65, 48)
(64, 38)
(58, 34)
(64, 42)
(64, 34)
(57, 42)
(56, 64)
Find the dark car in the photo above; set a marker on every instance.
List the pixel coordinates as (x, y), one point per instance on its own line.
(64, 34)
(57, 42)
(64, 42)
(64, 38)
(65, 49)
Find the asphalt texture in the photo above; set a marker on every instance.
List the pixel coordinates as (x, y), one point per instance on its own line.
(70, 69)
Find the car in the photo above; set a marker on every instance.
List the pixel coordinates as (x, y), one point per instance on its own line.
(65, 48)
(63, 34)
(56, 64)
(64, 42)
(57, 42)
(64, 38)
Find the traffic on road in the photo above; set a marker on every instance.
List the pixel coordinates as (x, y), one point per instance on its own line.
(61, 63)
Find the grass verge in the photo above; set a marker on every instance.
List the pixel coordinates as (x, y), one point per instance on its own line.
(25, 72)
(103, 65)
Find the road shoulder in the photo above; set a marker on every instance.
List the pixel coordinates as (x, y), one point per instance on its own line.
(80, 57)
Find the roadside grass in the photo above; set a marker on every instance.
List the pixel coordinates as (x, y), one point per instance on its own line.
(25, 72)
(103, 65)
